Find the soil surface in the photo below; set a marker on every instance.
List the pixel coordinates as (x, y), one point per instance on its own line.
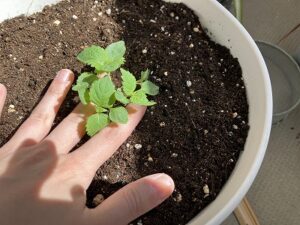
(196, 131)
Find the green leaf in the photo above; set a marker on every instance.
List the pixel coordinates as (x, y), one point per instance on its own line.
(100, 109)
(111, 66)
(140, 98)
(104, 60)
(82, 89)
(145, 75)
(121, 97)
(118, 115)
(83, 83)
(101, 92)
(84, 96)
(93, 56)
(80, 86)
(96, 122)
(115, 54)
(129, 82)
(112, 100)
(149, 88)
(116, 50)
(87, 77)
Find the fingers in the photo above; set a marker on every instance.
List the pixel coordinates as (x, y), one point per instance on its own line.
(98, 149)
(132, 201)
(37, 126)
(70, 131)
(2, 96)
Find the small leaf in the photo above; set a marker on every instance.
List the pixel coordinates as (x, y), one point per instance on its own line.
(114, 56)
(101, 92)
(83, 83)
(100, 109)
(129, 82)
(149, 88)
(84, 97)
(112, 100)
(96, 123)
(111, 66)
(140, 98)
(121, 97)
(87, 77)
(92, 56)
(116, 51)
(118, 115)
(82, 89)
(145, 75)
(80, 86)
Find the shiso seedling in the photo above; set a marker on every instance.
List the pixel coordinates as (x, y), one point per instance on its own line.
(98, 89)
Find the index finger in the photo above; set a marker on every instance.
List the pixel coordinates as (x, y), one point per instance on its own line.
(101, 147)
(3, 93)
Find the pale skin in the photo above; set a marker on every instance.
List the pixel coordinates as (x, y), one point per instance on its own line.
(42, 183)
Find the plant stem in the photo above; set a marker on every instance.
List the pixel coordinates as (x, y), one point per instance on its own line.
(238, 6)
(102, 74)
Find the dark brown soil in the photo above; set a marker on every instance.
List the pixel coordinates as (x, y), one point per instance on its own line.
(196, 131)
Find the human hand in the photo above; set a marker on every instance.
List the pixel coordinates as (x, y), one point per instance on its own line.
(41, 183)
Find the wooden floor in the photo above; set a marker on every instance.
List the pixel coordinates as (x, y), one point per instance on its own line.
(271, 20)
(275, 194)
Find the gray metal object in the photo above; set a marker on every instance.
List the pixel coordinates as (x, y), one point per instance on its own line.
(285, 79)
(234, 6)
(227, 3)
(297, 56)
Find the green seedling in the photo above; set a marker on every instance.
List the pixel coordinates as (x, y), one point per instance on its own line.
(98, 89)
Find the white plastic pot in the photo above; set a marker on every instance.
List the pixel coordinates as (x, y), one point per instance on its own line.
(229, 32)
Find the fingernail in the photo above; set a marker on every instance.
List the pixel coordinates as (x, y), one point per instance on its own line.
(64, 75)
(162, 178)
(163, 185)
(2, 87)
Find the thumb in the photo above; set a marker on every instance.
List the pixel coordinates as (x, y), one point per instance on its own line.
(133, 200)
